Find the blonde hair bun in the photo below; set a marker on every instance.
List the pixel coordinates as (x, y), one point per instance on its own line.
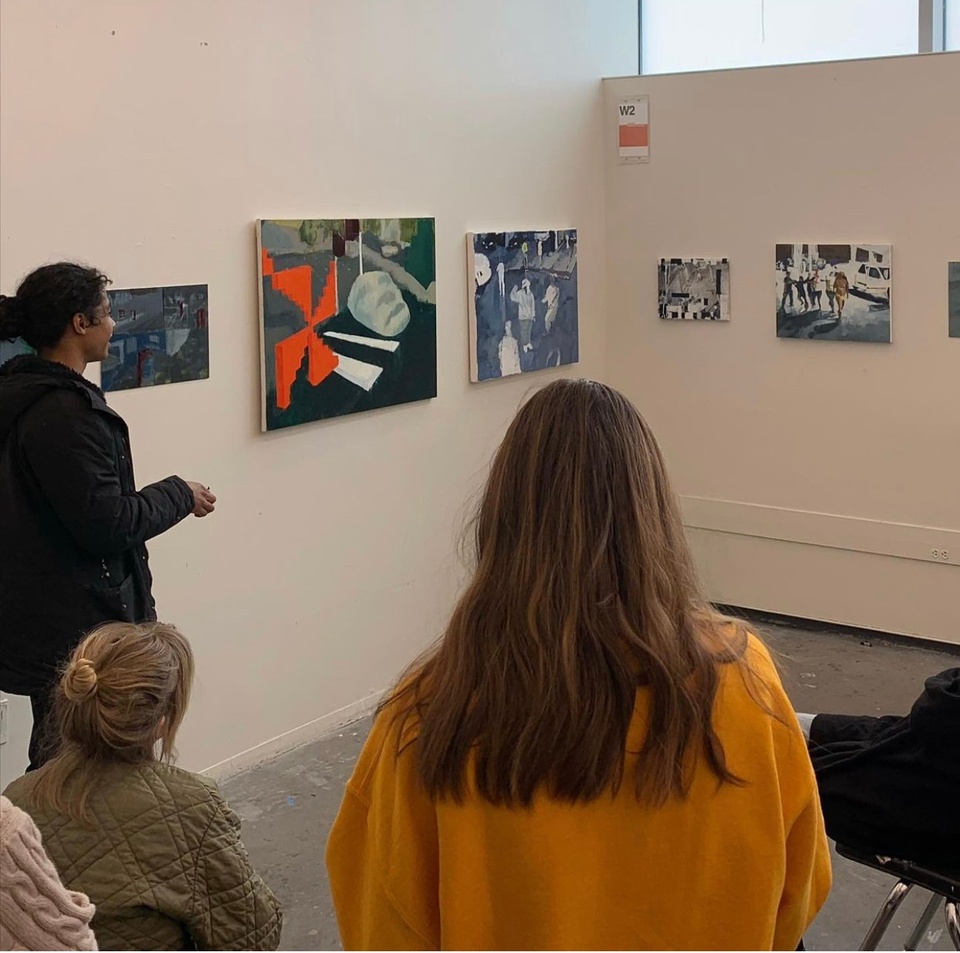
(80, 680)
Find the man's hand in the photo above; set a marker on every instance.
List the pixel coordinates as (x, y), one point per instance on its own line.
(203, 499)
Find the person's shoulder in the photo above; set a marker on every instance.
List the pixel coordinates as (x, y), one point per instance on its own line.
(749, 673)
(13, 818)
(59, 402)
(19, 792)
(182, 787)
(129, 792)
(392, 739)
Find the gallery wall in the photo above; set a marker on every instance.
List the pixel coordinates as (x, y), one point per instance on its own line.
(147, 138)
(819, 478)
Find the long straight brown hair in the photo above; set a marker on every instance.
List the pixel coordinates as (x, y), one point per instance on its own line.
(584, 591)
(121, 698)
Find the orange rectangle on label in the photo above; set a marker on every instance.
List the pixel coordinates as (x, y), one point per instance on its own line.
(634, 135)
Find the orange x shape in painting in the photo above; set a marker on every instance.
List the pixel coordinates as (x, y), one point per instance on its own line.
(296, 285)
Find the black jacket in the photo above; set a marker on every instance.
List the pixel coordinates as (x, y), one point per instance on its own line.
(891, 785)
(72, 524)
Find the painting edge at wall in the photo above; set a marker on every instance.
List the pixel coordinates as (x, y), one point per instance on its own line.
(953, 299)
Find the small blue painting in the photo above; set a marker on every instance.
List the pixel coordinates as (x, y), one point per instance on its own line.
(161, 337)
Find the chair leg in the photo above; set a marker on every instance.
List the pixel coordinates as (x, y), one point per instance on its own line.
(928, 913)
(879, 926)
(953, 922)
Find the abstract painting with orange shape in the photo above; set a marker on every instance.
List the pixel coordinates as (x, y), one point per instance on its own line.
(348, 318)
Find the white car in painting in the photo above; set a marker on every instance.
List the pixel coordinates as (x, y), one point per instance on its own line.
(873, 279)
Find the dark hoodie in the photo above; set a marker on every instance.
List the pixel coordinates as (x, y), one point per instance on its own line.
(72, 524)
(891, 785)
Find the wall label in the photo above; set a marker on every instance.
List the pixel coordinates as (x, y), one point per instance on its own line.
(633, 129)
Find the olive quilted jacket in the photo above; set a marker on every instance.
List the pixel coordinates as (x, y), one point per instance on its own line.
(162, 860)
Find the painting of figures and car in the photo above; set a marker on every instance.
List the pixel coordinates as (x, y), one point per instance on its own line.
(834, 292)
(523, 302)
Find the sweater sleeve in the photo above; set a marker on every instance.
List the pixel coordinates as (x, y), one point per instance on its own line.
(808, 875)
(39, 913)
(72, 455)
(807, 868)
(367, 915)
(232, 908)
(830, 729)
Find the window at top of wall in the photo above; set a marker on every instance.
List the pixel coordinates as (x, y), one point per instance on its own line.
(685, 35)
(951, 33)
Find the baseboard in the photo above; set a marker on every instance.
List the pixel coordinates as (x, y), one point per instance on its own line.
(311, 731)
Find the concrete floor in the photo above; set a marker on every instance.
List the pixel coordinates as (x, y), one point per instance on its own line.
(289, 804)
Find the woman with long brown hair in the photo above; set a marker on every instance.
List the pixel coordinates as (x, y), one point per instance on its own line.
(156, 848)
(591, 757)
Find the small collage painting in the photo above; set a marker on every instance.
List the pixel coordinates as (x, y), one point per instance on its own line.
(694, 289)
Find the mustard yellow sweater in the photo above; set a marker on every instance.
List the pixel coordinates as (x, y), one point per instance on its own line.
(729, 868)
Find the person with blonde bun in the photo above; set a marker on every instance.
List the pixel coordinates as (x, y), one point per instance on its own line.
(155, 848)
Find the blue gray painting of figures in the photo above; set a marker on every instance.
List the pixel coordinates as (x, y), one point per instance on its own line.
(162, 337)
(954, 298)
(11, 349)
(833, 292)
(523, 309)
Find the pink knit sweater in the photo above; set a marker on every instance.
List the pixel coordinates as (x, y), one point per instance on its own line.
(36, 911)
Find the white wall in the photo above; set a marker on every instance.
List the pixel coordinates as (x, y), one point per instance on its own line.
(147, 137)
(818, 476)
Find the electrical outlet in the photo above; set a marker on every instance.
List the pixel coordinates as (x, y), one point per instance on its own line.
(942, 555)
(3, 721)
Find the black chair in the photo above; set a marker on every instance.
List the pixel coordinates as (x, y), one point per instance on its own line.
(944, 888)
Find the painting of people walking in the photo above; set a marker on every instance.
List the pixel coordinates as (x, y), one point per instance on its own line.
(953, 306)
(694, 289)
(161, 337)
(348, 316)
(834, 292)
(523, 302)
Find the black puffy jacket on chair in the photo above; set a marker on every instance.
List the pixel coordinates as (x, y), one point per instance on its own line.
(72, 524)
(891, 785)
